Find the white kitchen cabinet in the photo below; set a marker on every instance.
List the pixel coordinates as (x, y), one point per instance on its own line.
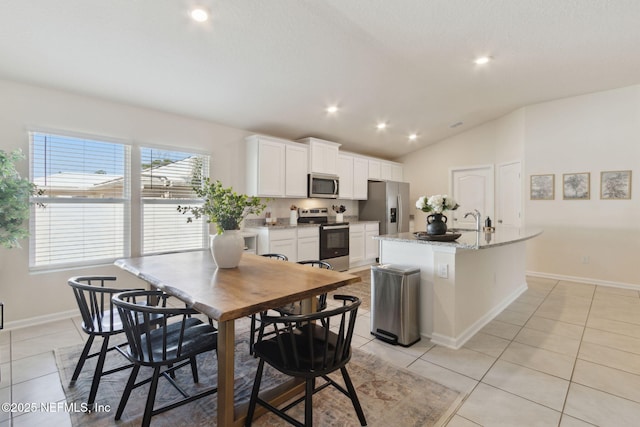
(391, 171)
(278, 241)
(371, 245)
(308, 243)
(323, 155)
(374, 169)
(356, 244)
(360, 178)
(266, 158)
(397, 172)
(276, 167)
(296, 165)
(346, 174)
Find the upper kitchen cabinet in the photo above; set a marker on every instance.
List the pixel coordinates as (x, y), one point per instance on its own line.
(276, 167)
(345, 172)
(374, 170)
(296, 161)
(391, 171)
(323, 155)
(353, 171)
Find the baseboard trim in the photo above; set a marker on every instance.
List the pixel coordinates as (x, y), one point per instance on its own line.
(587, 280)
(38, 320)
(456, 342)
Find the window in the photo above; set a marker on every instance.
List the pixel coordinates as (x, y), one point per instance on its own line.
(86, 192)
(167, 181)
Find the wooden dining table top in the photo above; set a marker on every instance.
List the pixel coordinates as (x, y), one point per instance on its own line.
(258, 283)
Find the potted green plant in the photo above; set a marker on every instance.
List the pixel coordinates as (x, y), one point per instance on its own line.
(226, 209)
(15, 192)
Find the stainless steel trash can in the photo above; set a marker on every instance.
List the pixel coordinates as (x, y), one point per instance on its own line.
(395, 304)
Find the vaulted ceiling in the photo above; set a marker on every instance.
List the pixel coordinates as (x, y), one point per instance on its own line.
(274, 66)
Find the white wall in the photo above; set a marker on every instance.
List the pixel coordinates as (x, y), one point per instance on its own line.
(31, 295)
(589, 133)
(495, 142)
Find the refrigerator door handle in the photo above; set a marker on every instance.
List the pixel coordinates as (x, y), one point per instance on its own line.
(400, 213)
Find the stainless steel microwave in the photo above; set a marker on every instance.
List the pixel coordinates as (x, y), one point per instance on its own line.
(323, 186)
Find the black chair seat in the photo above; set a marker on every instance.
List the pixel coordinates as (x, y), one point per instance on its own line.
(198, 337)
(297, 343)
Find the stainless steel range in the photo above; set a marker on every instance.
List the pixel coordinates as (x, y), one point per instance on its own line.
(334, 237)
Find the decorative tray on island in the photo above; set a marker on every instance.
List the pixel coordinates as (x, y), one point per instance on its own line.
(447, 237)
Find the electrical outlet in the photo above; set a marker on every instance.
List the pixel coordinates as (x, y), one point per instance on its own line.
(443, 271)
(585, 259)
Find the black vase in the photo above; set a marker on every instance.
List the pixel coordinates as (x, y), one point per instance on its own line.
(436, 224)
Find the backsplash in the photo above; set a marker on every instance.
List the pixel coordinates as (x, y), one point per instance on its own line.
(280, 209)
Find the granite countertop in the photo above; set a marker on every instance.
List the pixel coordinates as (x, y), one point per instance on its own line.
(472, 239)
(284, 224)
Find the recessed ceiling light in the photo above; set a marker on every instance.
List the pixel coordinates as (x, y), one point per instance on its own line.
(482, 60)
(413, 137)
(381, 125)
(332, 109)
(199, 15)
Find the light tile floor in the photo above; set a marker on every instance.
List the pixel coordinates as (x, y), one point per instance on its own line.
(563, 354)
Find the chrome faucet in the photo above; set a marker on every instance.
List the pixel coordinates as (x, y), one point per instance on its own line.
(476, 215)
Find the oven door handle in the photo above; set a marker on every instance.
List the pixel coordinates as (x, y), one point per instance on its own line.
(334, 227)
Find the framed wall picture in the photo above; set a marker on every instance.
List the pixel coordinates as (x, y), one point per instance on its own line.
(615, 185)
(542, 187)
(576, 186)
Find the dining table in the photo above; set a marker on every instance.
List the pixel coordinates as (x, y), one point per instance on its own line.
(228, 294)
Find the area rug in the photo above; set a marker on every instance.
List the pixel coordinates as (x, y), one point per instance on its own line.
(389, 395)
(360, 289)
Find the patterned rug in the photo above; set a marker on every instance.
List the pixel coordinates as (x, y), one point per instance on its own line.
(389, 395)
(361, 289)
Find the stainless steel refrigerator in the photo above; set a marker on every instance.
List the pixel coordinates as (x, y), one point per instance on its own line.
(387, 202)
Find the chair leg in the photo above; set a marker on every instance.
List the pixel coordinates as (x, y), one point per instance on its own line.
(83, 358)
(98, 373)
(194, 369)
(252, 336)
(353, 396)
(127, 391)
(148, 409)
(308, 402)
(254, 394)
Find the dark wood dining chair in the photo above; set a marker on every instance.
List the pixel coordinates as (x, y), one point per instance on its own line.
(99, 319)
(165, 339)
(289, 309)
(307, 349)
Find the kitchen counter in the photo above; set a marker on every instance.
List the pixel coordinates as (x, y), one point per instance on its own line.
(285, 225)
(472, 239)
(464, 284)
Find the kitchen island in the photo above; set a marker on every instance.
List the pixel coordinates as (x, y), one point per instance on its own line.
(464, 283)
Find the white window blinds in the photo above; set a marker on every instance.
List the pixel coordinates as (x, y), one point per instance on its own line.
(86, 193)
(167, 181)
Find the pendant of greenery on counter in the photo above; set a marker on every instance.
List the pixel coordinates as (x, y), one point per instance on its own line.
(15, 192)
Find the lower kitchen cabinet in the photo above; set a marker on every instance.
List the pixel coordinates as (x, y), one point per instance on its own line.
(278, 241)
(308, 243)
(363, 248)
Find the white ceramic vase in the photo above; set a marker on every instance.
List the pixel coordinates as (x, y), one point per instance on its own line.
(339, 217)
(227, 248)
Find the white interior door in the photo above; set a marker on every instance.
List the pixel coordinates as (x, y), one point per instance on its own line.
(509, 195)
(472, 187)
